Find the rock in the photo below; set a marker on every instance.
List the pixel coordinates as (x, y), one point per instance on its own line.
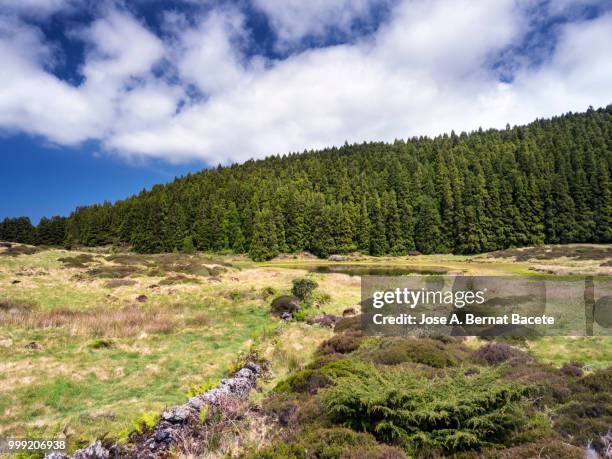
(95, 451)
(349, 312)
(337, 258)
(414, 253)
(178, 414)
(286, 315)
(142, 298)
(16, 282)
(33, 345)
(285, 303)
(163, 436)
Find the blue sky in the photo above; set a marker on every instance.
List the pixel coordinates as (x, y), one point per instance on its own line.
(100, 99)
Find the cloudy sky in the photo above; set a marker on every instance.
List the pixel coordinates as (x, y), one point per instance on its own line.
(98, 99)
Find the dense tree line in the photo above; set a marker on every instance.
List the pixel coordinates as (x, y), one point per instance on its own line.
(546, 182)
(49, 231)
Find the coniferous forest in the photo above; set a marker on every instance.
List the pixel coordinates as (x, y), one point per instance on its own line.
(546, 182)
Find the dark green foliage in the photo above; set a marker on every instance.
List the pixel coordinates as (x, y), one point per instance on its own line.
(303, 288)
(264, 241)
(547, 182)
(313, 378)
(51, 231)
(188, 246)
(17, 230)
(433, 353)
(445, 414)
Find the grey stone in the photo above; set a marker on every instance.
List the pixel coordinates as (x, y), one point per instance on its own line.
(95, 451)
(177, 414)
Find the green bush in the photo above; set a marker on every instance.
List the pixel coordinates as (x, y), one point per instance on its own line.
(188, 246)
(449, 414)
(395, 351)
(310, 380)
(303, 288)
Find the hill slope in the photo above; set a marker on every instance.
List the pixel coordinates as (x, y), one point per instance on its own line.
(546, 182)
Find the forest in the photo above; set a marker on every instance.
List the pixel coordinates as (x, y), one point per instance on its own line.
(545, 182)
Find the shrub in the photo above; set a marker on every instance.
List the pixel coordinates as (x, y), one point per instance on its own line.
(549, 448)
(338, 442)
(279, 451)
(348, 324)
(310, 380)
(587, 416)
(395, 351)
(572, 369)
(330, 443)
(188, 246)
(445, 414)
(497, 353)
(340, 344)
(268, 291)
(101, 343)
(303, 288)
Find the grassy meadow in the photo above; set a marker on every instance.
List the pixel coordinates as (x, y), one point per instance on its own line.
(91, 341)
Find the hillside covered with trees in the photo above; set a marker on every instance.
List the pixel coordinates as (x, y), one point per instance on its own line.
(546, 182)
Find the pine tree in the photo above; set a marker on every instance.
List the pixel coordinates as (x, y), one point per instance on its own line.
(264, 245)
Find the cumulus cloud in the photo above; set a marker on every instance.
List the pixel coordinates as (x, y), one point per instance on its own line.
(293, 20)
(425, 71)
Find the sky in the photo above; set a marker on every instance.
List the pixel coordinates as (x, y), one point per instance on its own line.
(100, 99)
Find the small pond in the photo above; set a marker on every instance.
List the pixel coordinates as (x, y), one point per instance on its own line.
(370, 270)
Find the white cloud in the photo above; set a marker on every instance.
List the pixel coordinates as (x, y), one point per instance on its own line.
(293, 20)
(35, 7)
(426, 71)
(207, 55)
